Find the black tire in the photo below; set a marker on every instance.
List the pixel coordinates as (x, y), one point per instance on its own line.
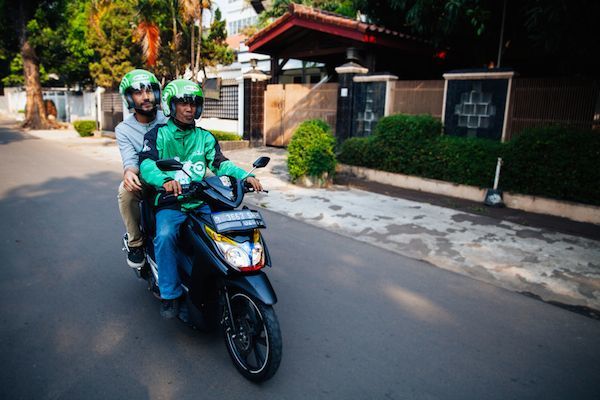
(255, 346)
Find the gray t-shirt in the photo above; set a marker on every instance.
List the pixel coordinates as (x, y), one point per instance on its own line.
(130, 137)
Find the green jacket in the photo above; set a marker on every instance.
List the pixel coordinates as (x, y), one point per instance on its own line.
(197, 149)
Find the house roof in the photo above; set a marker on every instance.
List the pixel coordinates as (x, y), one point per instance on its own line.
(302, 24)
(234, 41)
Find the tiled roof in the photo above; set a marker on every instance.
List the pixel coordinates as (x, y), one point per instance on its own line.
(234, 41)
(328, 18)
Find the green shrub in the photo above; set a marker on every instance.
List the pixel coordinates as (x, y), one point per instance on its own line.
(311, 151)
(469, 161)
(84, 127)
(224, 136)
(554, 162)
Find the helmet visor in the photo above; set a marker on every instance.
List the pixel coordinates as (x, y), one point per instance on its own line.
(144, 95)
(141, 85)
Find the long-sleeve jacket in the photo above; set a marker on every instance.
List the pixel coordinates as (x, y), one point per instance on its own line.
(197, 149)
(130, 138)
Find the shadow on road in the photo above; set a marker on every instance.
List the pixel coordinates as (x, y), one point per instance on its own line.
(9, 135)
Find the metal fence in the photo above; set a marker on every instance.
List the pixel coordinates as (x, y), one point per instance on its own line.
(418, 97)
(227, 105)
(111, 106)
(540, 102)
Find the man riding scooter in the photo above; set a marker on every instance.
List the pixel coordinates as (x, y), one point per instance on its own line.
(197, 149)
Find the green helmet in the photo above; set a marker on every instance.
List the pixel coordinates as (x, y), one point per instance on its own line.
(182, 90)
(139, 79)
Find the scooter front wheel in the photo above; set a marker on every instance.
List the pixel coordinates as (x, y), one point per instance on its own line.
(252, 337)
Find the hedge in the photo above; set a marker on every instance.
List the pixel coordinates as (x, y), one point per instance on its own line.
(550, 162)
(311, 151)
(84, 127)
(557, 162)
(224, 136)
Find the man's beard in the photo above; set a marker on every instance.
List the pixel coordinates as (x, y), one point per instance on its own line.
(147, 113)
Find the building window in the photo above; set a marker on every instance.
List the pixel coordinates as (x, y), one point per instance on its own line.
(234, 27)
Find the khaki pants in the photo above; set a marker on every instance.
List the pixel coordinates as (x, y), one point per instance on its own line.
(130, 212)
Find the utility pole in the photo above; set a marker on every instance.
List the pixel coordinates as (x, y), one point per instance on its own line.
(501, 44)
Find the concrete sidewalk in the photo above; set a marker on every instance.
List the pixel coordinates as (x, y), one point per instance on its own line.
(555, 266)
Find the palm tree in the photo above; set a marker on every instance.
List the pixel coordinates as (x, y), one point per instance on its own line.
(147, 32)
(192, 11)
(174, 45)
(204, 4)
(189, 10)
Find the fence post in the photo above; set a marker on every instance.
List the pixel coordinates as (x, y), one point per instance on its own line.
(255, 84)
(344, 116)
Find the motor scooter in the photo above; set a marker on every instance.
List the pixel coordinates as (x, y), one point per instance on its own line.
(221, 259)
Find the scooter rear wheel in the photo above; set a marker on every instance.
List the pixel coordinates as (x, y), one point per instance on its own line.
(255, 343)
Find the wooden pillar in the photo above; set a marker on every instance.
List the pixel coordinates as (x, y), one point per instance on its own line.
(254, 111)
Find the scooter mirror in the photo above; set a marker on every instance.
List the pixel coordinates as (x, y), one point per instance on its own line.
(169, 164)
(261, 162)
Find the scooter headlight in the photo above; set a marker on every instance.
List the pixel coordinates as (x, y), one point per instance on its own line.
(235, 256)
(257, 254)
(245, 256)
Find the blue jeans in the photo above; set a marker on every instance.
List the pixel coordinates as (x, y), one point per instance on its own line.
(165, 249)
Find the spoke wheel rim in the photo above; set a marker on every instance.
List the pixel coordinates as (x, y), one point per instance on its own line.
(250, 340)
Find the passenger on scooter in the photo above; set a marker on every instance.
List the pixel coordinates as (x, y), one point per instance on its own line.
(197, 149)
(141, 91)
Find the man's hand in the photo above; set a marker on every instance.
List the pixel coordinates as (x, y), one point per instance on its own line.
(131, 181)
(174, 187)
(255, 183)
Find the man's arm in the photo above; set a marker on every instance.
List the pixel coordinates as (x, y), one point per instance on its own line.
(129, 157)
(220, 165)
(217, 162)
(148, 157)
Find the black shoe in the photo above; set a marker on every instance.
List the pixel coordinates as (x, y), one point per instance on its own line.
(136, 257)
(184, 313)
(169, 308)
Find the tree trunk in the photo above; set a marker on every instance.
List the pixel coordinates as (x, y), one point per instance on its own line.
(192, 66)
(198, 44)
(175, 42)
(35, 112)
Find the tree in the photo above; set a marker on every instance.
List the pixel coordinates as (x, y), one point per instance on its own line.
(189, 11)
(110, 35)
(214, 48)
(27, 17)
(540, 37)
(147, 32)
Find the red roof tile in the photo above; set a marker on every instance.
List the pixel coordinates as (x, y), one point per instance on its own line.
(299, 11)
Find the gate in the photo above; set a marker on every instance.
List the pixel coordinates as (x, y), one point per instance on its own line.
(288, 105)
(111, 106)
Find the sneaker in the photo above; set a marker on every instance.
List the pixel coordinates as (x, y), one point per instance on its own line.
(136, 257)
(184, 312)
(169, 308)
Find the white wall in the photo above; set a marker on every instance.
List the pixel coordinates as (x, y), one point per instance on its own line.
(70, 106)
(226, 125)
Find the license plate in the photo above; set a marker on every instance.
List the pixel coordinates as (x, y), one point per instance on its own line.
(237, 220)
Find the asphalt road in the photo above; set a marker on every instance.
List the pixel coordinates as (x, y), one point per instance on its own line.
(358, 322)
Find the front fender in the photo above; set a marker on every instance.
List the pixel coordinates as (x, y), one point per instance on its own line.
(256, 285)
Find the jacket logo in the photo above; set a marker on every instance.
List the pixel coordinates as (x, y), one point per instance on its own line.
(198, 168)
